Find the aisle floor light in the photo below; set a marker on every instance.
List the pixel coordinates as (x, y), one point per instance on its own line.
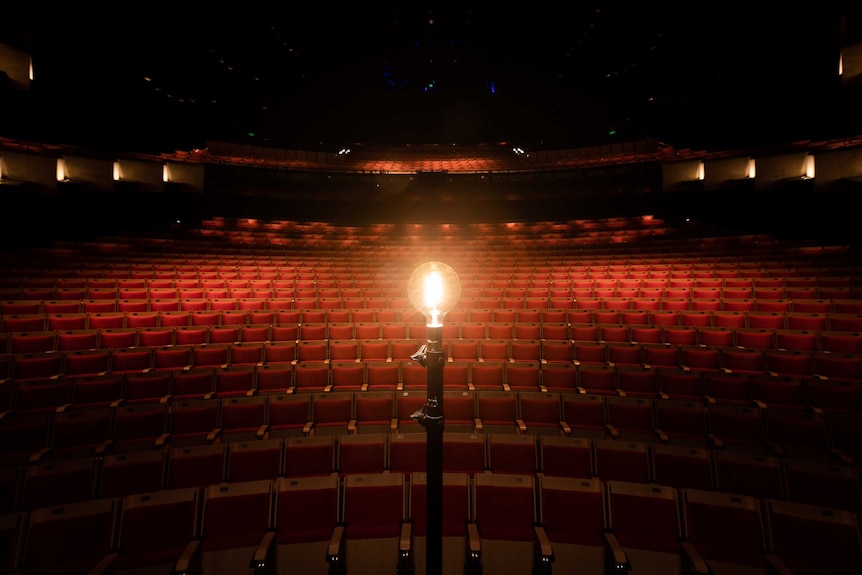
(434, 289)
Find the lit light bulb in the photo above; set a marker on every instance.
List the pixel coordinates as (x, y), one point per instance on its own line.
(434, 289)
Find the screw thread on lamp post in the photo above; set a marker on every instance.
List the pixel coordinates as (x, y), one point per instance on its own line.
(435, 359)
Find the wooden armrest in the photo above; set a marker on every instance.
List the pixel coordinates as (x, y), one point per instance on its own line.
(104, 565)
(66, 407)
(251, 392)
(162, 440)
(758, 403)
(612, 431)
(118, 403)
(546, 550)
(709, 399)
(506, 387)
(40, 455)
(104, 447)
(543, 389)
(661, 435)
(621, 393)
(184, 563)
(522, 426)
(695, 559)
(814, 409)
(617, 554)
(715, 441)
(336, 540)
(405, 548)
(165, 398)
(565, 427)
(841, 457)
(776, 566)
(262, 431)
(213, 435)
(405, 540)
(470, 386)
(351, 426)
(477, 424)
(399, 386)
(662, 395)
(474, 542)
(290, 390)
(775, 449)
(363, 387)
(581, 390)
(306, 429)
(393, 425)
(258, 559)
(328, 388)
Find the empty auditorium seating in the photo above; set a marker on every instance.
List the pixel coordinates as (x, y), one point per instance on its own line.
(642, 392)
(235, 526)
(157, 529)
(503, 536)
(812, 539)
(74, 538)
(658, 549)
(373, 512)
(726, 530)
(584, 545)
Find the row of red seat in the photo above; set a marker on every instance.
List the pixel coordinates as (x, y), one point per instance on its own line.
(177, 466)
(732, 358)
(758, 389)
(480, 341)
(321, 276)
(313, 521)
(808, 304)
(472, 324)
(468, 291)
(513, 432)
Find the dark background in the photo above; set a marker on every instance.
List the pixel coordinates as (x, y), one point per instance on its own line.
(162, 77)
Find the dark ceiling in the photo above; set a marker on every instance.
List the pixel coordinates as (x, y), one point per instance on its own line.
(159, 77)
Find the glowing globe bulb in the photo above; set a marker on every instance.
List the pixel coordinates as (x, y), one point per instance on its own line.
(434, 289)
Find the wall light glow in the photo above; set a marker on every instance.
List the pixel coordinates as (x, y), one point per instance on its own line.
(809, 167)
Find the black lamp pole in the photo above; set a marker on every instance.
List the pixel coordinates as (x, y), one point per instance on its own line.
(435, 360)
(433, 289)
